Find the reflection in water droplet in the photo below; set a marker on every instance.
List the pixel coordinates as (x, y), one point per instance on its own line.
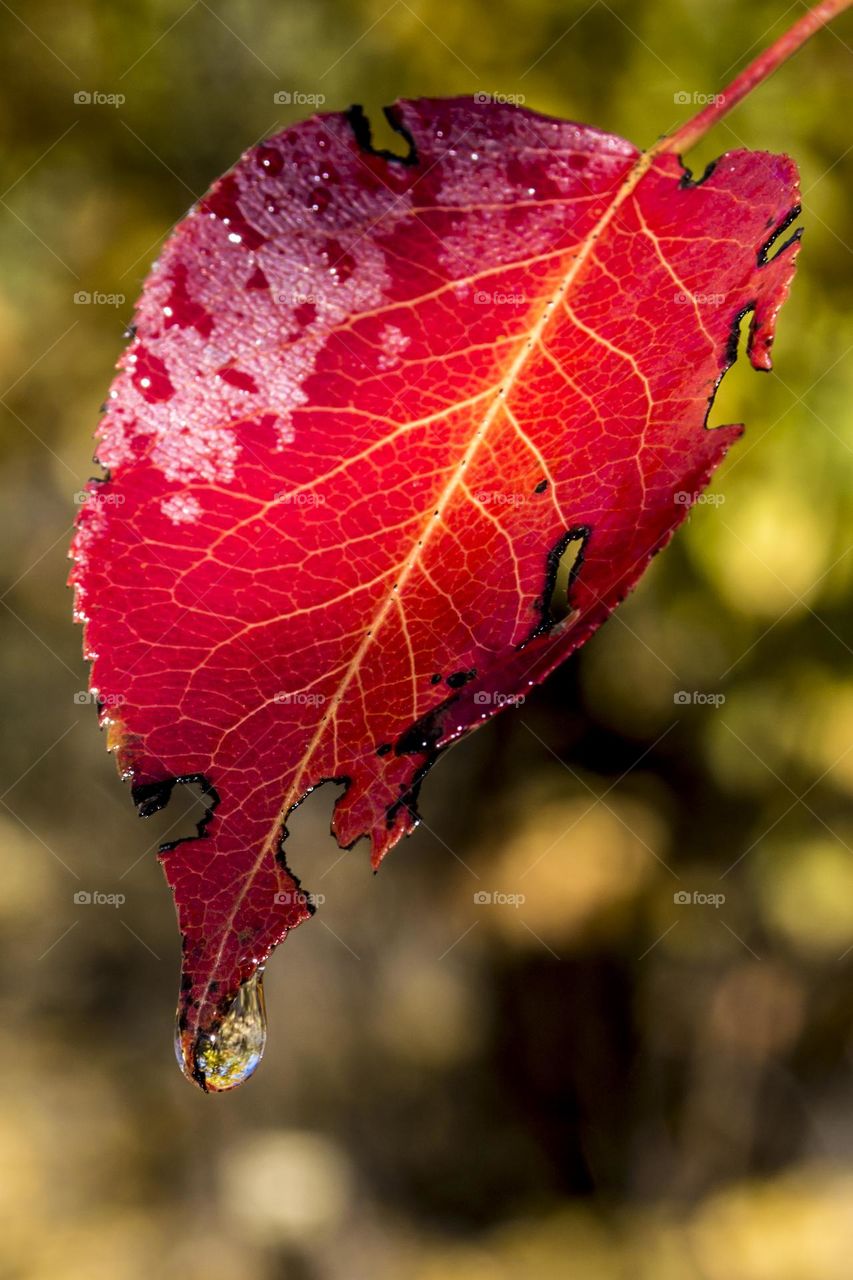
(226, 1057)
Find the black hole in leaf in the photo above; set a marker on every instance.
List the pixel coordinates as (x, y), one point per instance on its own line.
(178, 808)
(735, 385)
(568, 564)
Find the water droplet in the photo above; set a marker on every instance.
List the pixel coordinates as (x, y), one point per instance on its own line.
(318, 200)
(269, 160)
(225, 202)
(226, 1057)
(340, 263)
(150, 376)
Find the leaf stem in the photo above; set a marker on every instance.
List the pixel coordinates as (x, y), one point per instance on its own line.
(757, 71)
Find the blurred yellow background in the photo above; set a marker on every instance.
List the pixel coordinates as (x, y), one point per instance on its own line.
(643, 1069)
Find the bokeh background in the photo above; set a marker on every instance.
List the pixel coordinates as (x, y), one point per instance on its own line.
(599, 1081)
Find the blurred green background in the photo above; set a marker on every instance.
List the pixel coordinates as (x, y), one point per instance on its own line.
(601, 1081)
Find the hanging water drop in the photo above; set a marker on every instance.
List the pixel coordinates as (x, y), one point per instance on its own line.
(222, 1058)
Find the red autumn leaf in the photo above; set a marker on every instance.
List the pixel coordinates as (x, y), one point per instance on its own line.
(369, 403)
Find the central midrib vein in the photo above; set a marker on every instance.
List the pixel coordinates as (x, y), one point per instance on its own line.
(297, 788)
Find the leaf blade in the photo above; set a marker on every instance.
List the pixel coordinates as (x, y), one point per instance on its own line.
(249, 651)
